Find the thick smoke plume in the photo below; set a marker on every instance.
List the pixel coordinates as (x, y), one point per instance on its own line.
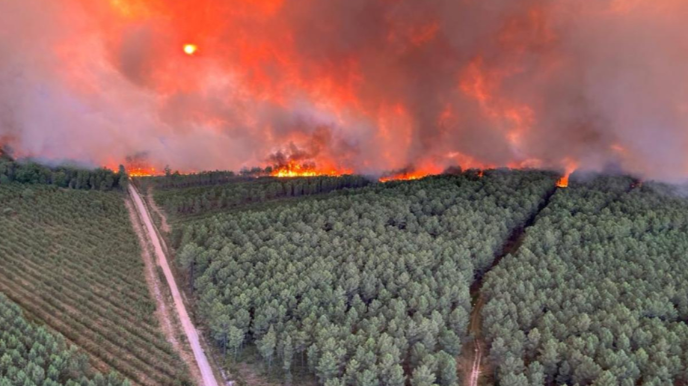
(356, 85)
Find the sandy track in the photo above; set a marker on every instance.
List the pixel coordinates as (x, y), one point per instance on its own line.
(168, 321)
(475, 329)
(187, 325)
(476, 365)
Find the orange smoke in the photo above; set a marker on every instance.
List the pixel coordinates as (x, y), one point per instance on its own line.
(380, 86)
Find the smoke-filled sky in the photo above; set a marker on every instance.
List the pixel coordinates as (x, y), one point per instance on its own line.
(357, 85)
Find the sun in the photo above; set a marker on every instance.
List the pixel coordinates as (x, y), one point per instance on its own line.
(190, 49)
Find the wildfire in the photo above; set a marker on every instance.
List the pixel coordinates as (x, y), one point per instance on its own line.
(135, 166)
(295, 169)
(562, 182)
(142, 171)
(405, 176)
(570, 167)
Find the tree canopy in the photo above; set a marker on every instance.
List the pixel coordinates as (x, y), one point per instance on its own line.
(369, 287)
(32, 356)
(30, 172)
(597, 293)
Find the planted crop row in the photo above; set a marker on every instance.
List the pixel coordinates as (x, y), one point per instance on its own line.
(71, 259)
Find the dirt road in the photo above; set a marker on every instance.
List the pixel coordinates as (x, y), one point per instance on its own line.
(189, 330)
(475, 329)
(477, 365)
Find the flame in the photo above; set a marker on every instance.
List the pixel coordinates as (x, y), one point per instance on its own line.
(135, 167)
(405, 176)
(142, 171)
(295, 169)
(562, 182)
(570, 167)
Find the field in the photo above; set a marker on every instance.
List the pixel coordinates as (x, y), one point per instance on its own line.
(70, 259)
(368, 286)
(30, 355)
(597, 293)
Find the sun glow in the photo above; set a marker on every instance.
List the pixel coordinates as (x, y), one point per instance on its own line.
(189, 49)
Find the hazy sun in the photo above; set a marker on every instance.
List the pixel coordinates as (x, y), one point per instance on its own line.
(189, 49)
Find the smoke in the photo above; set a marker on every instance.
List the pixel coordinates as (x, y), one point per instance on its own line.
(360, 85)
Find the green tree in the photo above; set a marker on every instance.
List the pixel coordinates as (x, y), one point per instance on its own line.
(267, 346)
(422, 376)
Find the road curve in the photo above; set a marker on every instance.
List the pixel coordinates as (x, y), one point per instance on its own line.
(192, 335)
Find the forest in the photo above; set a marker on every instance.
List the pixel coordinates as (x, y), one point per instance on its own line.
(196, 197)
(176, 180)
(351, 281)
(365, 288)
(71, 260)
(597, 293)
(31, 172)
(30, 355)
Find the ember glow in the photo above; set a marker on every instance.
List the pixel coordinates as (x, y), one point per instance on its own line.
(348, 86)
(295, 169)
(406, 176)
(142, 172)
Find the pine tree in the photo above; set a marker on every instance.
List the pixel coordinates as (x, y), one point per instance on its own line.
(267, 346)
(422, 376)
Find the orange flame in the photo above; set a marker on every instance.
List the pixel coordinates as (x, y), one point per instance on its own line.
(405, 176)
(570, 167)
(562, 182)
(135, 168)
(295, 169)
(142, 171)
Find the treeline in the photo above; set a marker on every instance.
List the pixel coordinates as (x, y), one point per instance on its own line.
(358, 289)
(597, 293)
(61, 176)
(177, 180)
(32, 356)
(200, 199)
